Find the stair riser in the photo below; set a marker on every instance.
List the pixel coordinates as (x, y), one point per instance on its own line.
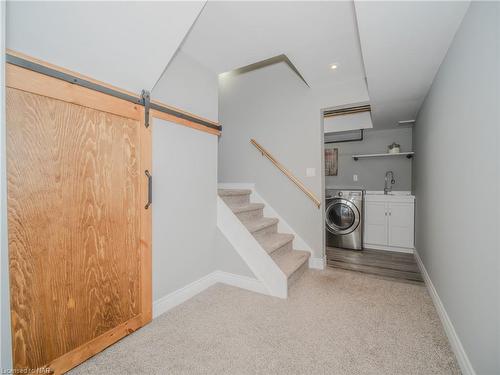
(236, 200)
(281, 250)
(251, 215)
(297, 274)
(268, 230)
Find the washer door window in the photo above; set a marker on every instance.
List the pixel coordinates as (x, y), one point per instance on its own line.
(342, 217)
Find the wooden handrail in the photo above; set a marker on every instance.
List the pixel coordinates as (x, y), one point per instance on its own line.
(286, 172)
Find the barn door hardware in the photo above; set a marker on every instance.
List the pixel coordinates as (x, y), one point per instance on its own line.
(67, 77)
(150, 189)
(146, 97)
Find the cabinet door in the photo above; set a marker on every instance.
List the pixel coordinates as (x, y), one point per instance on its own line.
(375, 223)
(401, 224)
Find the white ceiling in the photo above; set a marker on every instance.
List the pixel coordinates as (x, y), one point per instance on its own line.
(403, 45)
(126, 44)
(229, 35)
(129, 44)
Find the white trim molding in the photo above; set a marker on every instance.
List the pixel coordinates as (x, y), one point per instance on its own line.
(389, 248)
(317, 263)
(240, 281)
(187, 292)
(252, 253)
(181, 295)
(269, 211)
(455, 343)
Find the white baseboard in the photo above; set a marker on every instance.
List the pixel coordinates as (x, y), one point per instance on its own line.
(317, 263)
(455, 343)
(181, 295)
(243, 282)
(389, 248)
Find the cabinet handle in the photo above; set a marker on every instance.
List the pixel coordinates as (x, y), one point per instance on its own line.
(385, 213)
(390, 213)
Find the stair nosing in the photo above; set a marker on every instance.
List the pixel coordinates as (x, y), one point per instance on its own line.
(296, 266)
(271, 221)
(233, 192)
(280, 244)
(237, 209)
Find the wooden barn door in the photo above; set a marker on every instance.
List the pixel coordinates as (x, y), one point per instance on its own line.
(79, 232)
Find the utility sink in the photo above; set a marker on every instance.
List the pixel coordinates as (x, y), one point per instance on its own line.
(396, 192)
(393, 196)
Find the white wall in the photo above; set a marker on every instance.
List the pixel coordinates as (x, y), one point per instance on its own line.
(126, 44)
(227, 259)
(456, 178)
(184, 205)
(275, 107)
(353, 121)
(190, 86)
(186, 243)
(371, 172)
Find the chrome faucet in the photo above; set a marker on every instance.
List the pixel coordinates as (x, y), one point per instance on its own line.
(392, 181)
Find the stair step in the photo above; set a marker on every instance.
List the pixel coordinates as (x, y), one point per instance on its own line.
(237, 209)
(235, 197)
(261, 224)
(233, 192)
(291, 261)
(274, 241)
(279, 246)
(248, 212)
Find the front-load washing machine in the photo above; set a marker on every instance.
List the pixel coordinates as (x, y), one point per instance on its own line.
(344, 219)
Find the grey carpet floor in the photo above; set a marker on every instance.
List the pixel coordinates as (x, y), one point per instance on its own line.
(334, 322)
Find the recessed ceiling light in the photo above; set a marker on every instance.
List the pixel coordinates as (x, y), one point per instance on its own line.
(334, 66)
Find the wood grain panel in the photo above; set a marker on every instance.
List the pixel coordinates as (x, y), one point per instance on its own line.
(27, 80)
(87, 350)
(74, 216)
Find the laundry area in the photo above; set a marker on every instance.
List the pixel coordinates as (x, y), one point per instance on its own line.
(369, 205)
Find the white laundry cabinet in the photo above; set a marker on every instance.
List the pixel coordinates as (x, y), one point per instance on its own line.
(389, 221)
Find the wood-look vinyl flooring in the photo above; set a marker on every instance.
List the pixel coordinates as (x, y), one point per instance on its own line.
(378, 262)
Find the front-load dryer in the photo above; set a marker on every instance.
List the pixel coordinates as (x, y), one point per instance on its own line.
(344, 219)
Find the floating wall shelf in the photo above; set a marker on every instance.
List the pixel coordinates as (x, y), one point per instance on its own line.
(409, 155)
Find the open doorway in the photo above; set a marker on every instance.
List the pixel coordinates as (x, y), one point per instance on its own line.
(368, 206)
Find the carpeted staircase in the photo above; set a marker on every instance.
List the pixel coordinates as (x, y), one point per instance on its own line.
(279, 246)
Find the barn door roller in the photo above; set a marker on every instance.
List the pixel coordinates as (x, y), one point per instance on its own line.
(146, 97)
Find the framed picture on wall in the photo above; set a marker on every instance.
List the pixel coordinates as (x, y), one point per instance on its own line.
(331, 161)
